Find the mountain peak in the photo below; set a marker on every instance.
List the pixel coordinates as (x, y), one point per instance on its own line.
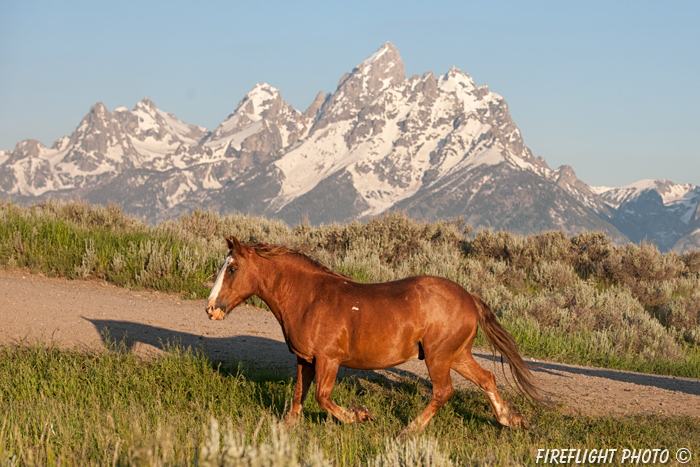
(146, 103)
(98, 109)
(263, 88)
(30, 147)
(388, 50)
(98, 116)
(458, 80)
(316, 105)
(565, 177)
(383, 69)
(259, 103)
(259, 99)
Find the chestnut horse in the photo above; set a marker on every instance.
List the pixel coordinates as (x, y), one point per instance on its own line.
(330, 320)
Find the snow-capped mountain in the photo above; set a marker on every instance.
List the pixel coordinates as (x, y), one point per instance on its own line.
(103, 146)
(656, 210)
(436, 147)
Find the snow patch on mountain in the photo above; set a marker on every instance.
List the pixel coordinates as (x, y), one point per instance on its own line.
(304, 166)
(671, 193)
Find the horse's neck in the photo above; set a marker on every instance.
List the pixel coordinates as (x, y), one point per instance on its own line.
(284, 286)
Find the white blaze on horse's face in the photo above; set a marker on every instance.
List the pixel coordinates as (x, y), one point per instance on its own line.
(212, 310)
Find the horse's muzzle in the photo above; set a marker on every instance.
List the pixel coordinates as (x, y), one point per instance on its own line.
(213, 312)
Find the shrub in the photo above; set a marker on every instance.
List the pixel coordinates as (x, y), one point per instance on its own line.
(691, 259)
(395, 236)
(503, 246)
(86, 215)
(549, 247)
(553, 275)
(561, 285)
(641, 263)
(681, 313)
(589, 251)
(199, 224)
(620, 323)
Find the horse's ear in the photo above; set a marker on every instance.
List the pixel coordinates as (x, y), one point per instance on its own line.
(233, 244)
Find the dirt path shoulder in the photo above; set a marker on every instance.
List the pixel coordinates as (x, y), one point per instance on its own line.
(77, 313)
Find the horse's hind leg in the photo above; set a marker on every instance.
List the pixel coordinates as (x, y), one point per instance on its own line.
(442, 392)
(326, 371)
(305, 375)
(466, 366)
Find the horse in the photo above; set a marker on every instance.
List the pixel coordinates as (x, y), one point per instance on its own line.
(329, 320)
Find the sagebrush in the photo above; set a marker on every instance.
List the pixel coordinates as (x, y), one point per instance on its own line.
(577, 299)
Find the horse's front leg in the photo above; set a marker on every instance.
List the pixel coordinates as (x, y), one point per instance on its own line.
(326, 371)
(305, 374)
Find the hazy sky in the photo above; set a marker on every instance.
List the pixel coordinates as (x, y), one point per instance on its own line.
(611, 88)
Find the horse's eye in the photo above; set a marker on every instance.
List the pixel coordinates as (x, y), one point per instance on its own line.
(231, 269)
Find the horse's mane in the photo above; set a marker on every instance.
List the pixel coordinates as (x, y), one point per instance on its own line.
(267, 251)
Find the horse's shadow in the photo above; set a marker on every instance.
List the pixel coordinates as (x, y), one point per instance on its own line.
(223, 352)
(260, 356)
(257, 358)
(671, 383)
(271, 359)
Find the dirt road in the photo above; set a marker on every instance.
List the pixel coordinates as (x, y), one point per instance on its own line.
(76, 313)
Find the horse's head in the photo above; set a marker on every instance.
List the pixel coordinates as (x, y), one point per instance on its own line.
(234, 283)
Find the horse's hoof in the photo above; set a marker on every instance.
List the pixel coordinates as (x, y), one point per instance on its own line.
(518, 422)
(406, 434)
(361, 414)
(291, 421)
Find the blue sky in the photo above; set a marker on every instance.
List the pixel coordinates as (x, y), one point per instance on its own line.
(610, 88)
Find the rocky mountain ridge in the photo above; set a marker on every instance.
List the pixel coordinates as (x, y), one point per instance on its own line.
(437, 147)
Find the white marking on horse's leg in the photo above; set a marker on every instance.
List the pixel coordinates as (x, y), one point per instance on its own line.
(501, 408)
(494, 400)
(211, 301)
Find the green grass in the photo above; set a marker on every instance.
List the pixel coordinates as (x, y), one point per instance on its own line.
(134, 257)
(65, 407)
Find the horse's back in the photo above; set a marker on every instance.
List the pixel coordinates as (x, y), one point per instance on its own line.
(445, 303)
(432, 293)
(422, 301)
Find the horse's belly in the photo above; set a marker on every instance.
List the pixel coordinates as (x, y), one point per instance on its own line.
(373, 360)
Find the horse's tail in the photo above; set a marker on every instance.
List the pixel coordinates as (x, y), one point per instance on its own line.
(499, 339)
